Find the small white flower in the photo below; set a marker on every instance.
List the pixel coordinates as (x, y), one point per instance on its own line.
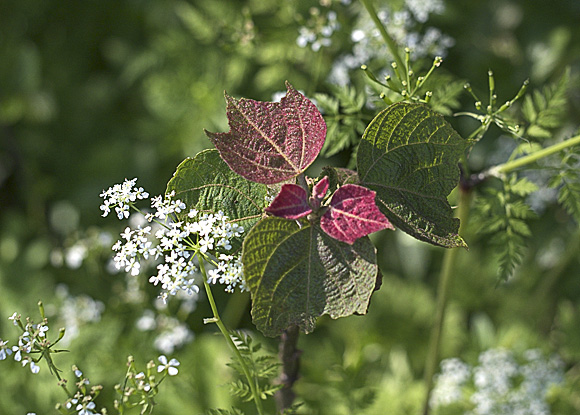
(17, 353)
(127, 234)
(4, 350)
(170, 366)
(42, 329)
(34, 368)
(86, 408)
(14, 317)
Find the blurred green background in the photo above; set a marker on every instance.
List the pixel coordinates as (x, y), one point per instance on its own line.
(92, 92)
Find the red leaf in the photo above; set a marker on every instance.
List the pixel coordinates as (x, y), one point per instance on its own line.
(318, 192)
(320, 188)
(271, 142)
(353, 214)
(291, 203)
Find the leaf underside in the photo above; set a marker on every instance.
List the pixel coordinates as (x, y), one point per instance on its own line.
(271, 142)
(207, 184)
(409, 155)
(296, 273)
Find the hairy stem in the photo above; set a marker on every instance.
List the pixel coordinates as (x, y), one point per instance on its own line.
(533, 157)
(445, 278)
(290, 357)
(225, 332)
(391, 44)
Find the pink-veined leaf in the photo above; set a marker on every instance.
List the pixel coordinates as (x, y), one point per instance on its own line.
(353, 214)
(271, 142)
(291, 203)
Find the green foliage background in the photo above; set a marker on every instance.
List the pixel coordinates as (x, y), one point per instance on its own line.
(93, 92)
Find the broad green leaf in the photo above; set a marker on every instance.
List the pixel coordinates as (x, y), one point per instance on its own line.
(207, 184)
(409, 155)
(296, 273)
(271, 142)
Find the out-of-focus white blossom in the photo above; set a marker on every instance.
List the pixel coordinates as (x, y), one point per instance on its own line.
(318, 30)
(405, 26)
(501, 383)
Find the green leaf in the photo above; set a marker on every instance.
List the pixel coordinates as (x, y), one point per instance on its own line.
(546, 110)
(501, 215)
(207, 184)
(409, 155)
(343, 116)
(446, 92)
(296, 273)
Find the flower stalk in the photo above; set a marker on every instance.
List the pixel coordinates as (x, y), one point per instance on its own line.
(225, 332)
(443, 288)
(533, 157)
(391, 44)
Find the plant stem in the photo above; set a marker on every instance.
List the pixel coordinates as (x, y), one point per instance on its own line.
(391, 44)
(225, 332)
(533, 157)
(445, 278)
(290, 357)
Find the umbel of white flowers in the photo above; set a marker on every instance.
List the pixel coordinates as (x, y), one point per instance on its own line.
(174, 244)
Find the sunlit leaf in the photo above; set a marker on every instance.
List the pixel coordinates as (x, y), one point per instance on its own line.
(207, 184)
(271, 142)
(409, 155)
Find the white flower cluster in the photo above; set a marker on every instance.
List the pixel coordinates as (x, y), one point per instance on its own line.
(318, 31)
(82, 403)
(121, 196)
(228, 272)
(75, 312)
(449, 384)
(173, 334)
(501, 385)
(176, 243)
(404, 26)
(32, 334)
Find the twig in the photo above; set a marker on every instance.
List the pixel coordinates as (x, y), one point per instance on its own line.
(290, 357)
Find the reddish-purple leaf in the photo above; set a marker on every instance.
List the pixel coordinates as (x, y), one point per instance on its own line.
(291, 203)
(271, 142)
(318, 192)
(320, 188)
(353, 214)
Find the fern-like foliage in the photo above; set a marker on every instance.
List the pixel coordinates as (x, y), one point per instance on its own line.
(545, 110)
(567, 180)
(345, 118)
(445, 92)
(263, 369)
(502, 213)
